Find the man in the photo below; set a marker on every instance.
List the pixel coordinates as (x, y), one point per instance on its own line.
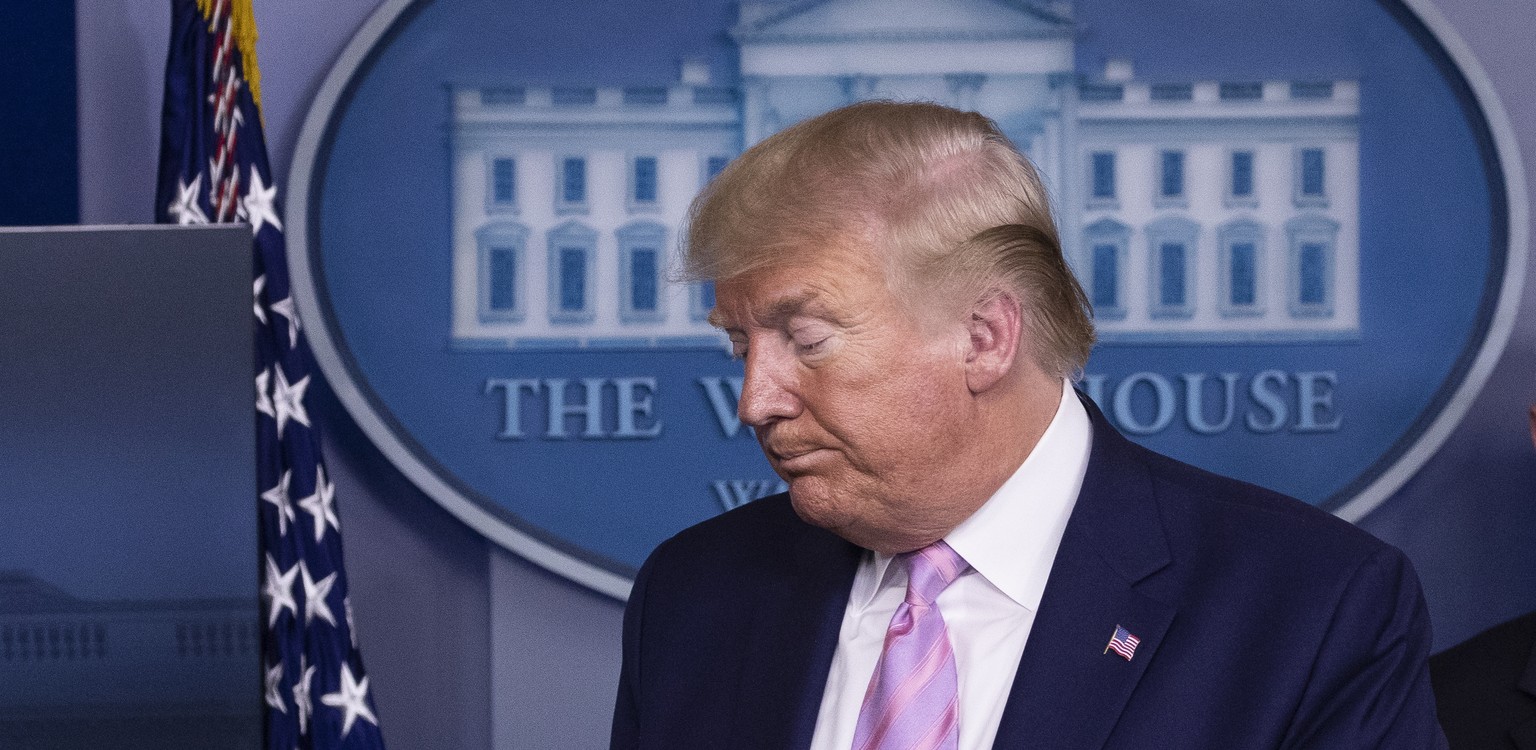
(969, 555)
(1485, 688)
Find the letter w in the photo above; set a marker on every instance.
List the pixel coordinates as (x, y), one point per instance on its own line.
(723, 403)
(734, 493)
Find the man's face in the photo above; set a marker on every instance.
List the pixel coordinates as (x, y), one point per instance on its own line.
(858, 398)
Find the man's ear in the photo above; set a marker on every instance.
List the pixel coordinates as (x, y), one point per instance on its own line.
(995, 329)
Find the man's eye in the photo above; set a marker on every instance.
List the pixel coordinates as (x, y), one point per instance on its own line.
(813, 346)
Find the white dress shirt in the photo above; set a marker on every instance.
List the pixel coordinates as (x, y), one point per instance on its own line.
(1010, 543)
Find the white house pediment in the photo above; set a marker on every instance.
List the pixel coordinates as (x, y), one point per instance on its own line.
(900, 20)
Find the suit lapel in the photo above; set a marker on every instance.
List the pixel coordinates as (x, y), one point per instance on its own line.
(789, 650)
(1068, 692)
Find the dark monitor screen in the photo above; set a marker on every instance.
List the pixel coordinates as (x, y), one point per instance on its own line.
(128, 564)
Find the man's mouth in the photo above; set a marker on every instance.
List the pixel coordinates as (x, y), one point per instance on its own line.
(796, 458)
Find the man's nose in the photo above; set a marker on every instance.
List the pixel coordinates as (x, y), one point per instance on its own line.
(768, 391)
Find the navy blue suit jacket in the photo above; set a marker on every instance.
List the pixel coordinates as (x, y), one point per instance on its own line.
(1263, 621)
(1486, 688)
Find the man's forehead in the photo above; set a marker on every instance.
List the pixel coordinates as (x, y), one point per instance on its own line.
(799, 278)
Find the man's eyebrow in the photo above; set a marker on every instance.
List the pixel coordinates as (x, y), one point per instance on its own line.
(777, 313)
(787, 308)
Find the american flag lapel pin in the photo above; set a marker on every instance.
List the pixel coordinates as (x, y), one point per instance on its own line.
(1123, 643)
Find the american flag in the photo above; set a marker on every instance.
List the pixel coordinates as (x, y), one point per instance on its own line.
(1123, 643)
(214, 169)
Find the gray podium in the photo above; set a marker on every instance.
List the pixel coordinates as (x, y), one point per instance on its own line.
(129, 615)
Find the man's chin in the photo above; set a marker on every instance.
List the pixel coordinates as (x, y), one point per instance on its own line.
(839, 511)
(814, 503)
(826, 507)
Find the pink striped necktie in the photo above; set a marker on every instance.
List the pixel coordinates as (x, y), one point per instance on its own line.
(913, 699)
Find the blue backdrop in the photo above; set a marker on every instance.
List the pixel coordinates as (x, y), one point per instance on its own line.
(471, 647)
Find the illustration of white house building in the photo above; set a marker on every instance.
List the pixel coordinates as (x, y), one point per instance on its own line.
(1212, 210)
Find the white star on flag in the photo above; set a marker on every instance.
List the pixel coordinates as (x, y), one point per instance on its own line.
(279, 591)
(214, 173)
(185, 209)
(301, 697)
(352, 699)
(256, 287)
(314, 596)
(274, 687)
(284, 307)
(322, 504)
(264, 393)
(279, 497)
(289, 400)
(258, 204)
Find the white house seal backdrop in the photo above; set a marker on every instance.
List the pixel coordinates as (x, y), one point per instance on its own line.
(1299, 228)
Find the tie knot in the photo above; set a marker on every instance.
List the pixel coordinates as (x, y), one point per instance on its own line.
(930, 570)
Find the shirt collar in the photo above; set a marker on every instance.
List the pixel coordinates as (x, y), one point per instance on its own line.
(1012, 539)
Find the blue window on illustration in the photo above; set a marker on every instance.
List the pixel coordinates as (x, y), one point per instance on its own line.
(503, 281)
(573, 279)
(642, 279)
(1312, 172)
(714, 166)
(639, 270)
(701, 300)
(1103, 174)
(1172, 92)
(645, 179)
(573, 95)
(714, 95)
(1313, 286)
(1100, 92)
(1242, 174)
(1106, 275)
(1244, 281)
(573, 179)
(1313, 242)
(1238, 91)
(1171, 291)
(1172, 174)
(503, 95)
(645, 95)
(504, 181)
(1312, 90)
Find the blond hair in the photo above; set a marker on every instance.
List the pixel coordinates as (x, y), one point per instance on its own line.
(945, 197)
